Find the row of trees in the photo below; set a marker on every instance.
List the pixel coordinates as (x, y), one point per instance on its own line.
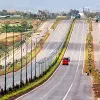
(17, 28)
(92, 14)
(43, 15)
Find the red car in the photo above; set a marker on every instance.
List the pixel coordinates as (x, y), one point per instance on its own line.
(65, 61)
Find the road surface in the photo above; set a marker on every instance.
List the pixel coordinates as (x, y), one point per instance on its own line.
(50, 45)
(68, 82)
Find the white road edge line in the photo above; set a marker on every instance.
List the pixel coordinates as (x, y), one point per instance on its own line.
(76, 70)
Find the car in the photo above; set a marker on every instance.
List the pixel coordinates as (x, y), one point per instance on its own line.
(65, 61)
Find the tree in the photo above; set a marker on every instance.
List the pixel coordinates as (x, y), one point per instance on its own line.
(4, 12)
(73, 12)
(24, 23)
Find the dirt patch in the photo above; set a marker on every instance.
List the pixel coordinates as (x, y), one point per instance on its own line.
(96, 41)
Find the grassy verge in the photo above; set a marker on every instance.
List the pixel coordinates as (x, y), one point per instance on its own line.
(89, 56)
(48, 73)
(89, 66)
(55, 24)
(18, 64)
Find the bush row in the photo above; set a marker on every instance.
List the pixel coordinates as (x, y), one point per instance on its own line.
(89, 58)
(55, 24)
(90, 25)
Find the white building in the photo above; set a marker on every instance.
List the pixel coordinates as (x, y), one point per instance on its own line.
(82, 15)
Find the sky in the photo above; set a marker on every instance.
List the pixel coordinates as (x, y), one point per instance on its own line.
(52, 5)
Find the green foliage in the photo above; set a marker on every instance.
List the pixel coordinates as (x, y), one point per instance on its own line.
(55, 24)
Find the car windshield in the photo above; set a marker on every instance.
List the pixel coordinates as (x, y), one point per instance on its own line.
(65, 58)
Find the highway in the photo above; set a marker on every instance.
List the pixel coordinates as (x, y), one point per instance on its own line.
(68, 82)
(51, 44)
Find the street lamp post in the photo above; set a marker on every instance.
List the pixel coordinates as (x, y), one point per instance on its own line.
(5, 60)
(39, 67)
(35, 57)
(21, 62)
(13, 58)
(31, 56)
(45, 64)
(26, 60)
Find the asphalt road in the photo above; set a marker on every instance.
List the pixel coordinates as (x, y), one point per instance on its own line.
(50, 45)
(68, 82)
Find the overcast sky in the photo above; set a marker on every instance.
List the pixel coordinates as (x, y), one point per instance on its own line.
(52, 5)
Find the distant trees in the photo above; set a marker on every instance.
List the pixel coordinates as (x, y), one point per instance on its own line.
(73, 12)
(18, 28)
(92, 14)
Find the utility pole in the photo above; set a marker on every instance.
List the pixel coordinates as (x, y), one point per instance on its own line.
(13, 57)
(5, 60)
(26, 59)
(35, 57)
(31, 56)
(21, 62)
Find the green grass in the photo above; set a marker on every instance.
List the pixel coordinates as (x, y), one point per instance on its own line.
(55, 24)
(45, 77)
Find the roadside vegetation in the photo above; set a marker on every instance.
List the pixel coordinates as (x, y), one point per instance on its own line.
(12, 94)
(55, 24)
(89, 66)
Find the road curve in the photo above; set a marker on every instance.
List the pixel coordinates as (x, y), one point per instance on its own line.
(68, 82)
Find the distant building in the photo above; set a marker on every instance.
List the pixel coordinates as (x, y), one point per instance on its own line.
(11, 11)
(15, 16)
(82, 15)
(7, 16)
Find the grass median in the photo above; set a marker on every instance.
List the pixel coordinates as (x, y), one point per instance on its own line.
(54, 65)
(55, 24)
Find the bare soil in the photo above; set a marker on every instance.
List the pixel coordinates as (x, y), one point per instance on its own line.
(96, 42)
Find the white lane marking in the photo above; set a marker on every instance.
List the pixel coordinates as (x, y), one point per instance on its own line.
(66, 70)
(76, 70)
(47, 80)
